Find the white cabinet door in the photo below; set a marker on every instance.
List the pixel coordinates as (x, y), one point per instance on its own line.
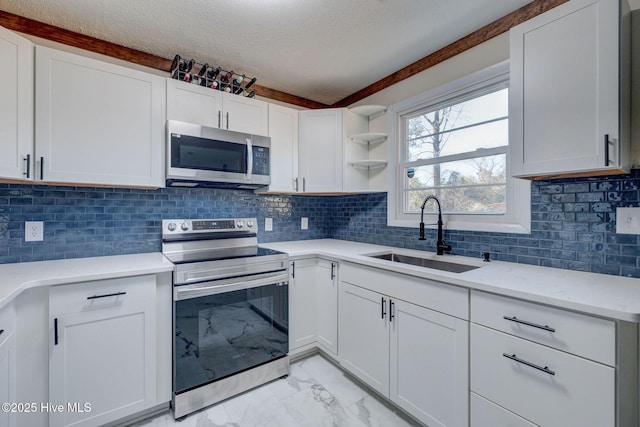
(187, 102)
(16, 106)
(429, 364)
(327, 305)
(565, 91)
(283, 130)
(8, 366)
(320, 152)
(364, 335)
(302, 303)
(245, 115)
(102, 350)
(98, 123)
(191, 103)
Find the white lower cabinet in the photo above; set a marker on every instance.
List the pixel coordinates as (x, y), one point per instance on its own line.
(485, 413)
(327, 305)
(7, 364)
(538, 365)
(302, 303)
(415, 356)
(102, 364)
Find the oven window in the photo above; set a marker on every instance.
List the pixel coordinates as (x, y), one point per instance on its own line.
(190, 152)
(224, 334)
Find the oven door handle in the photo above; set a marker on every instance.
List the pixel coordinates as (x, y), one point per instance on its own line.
(215, 287)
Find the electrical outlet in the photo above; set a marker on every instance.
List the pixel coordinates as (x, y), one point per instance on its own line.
(268, 224)
(628, 220)
(304, 223)
(33, 231)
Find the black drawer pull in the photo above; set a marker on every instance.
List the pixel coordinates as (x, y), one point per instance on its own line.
(107, 295)
(524, 322)
(55, 331)
(513, 357)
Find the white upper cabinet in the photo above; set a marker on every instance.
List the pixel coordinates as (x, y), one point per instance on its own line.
(321, 150)
(283, 130)
(16, 106)
(97, 123)
(569, 94)
(200, 105)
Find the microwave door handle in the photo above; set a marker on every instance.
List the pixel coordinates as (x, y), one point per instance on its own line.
(249, 158)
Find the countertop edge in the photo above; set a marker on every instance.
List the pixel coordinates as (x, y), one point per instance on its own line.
(77, 270)
(345, 252)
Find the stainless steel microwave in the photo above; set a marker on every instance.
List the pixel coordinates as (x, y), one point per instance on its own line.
(201, 156)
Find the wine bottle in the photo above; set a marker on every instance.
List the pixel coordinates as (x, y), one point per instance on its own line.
(237, 84)
(187, 71)
(202, 79)
(211, 78)
(225, 81)
(252, 94)
(175, 66)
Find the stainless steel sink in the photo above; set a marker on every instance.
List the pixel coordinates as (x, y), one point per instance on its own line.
(425, 262)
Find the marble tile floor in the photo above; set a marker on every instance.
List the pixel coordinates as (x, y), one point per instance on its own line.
(315, 394)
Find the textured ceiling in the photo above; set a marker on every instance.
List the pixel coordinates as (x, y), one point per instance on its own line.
(323, 50)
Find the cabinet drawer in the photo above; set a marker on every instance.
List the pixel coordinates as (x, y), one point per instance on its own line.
(546, 386)
(85, 296)
(448, 299)
(485, 413)
(582, 335)
(7, 320)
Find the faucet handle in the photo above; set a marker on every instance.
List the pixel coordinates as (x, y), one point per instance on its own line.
(444, 246)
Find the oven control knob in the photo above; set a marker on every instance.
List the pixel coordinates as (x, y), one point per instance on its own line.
(240, 224)
(172, 226)
(249, 224)
(184, 226)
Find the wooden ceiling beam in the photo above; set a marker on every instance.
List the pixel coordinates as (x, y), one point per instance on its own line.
(482, 35)
(70, 38)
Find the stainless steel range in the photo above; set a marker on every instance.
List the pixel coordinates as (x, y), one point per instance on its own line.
(230, 310)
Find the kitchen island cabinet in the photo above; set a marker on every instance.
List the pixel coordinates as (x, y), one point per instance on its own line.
(97, 123)
(16, 106)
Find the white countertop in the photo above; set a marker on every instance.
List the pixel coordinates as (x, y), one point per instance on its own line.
(598, 294)
(15, 278)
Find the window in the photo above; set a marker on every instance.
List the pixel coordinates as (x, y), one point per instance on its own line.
(453, 142)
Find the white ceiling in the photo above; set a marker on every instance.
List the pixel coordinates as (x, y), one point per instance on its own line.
(323, 50)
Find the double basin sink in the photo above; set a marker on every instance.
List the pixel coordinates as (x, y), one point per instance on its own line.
(452, 267)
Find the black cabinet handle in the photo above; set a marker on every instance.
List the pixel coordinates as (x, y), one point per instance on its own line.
(515, 358)
(227, 120)
(1, 331)
(28, 160)
(41, 168)
(219, 119)
(391, 310)
(606, 150)
(524, 322)
(383, 306)
(333, 274)
(55, 331)
(107, 295)
(293, 270)
(304, 185)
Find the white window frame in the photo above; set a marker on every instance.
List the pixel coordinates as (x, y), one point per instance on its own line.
(516, 219)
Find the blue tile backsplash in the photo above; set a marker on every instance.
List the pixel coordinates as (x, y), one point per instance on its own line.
(573, 222)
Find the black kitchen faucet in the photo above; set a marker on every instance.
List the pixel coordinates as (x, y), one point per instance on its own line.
(441, 246)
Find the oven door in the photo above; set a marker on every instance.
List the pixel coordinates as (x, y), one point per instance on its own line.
(225, 327)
